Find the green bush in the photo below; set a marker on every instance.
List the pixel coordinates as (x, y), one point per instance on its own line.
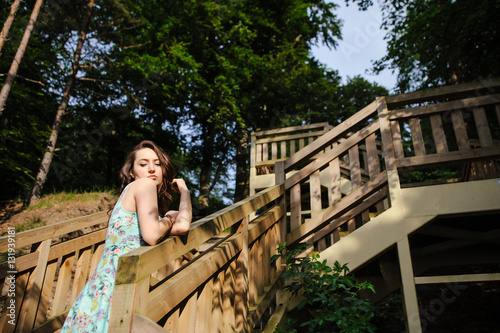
(330, 294)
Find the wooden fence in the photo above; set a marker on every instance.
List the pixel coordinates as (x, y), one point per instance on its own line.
(219, 277)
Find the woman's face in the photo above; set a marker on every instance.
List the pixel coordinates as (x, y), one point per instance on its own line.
(147, 165)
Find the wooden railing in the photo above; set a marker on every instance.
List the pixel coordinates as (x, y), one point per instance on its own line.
(226, 288)
(219, 277)
(48, 272)
(270, 146)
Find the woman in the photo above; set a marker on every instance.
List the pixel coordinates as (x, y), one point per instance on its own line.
(147, 186)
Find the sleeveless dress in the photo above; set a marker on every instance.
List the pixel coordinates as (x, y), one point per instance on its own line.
(91, 309)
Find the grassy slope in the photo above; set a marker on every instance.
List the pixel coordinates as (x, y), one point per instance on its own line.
(53, 208)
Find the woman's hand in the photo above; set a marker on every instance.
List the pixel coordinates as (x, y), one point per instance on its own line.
(179, 185)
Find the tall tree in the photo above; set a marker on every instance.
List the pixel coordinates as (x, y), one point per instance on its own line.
(11, 76)
(436, 42)
(8, 23)
(41, 177)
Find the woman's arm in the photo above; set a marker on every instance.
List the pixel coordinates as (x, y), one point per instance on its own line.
(146, 201)
(181, 219)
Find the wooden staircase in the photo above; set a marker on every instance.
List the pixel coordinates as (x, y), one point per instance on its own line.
(349, 193)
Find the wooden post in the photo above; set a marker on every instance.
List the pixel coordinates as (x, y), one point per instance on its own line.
(408, 283)
(280, 176)
(385, 130)
(241, 294)
(438, 134)
(29, 307)
(417, 136)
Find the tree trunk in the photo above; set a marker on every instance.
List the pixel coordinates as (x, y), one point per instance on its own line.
(242, 158)
(19, 55)
(8, 23)
(41, 177)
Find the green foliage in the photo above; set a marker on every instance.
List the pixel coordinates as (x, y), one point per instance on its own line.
(436, 42)
(329, 292)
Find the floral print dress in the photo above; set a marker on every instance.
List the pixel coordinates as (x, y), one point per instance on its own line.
(91, 309)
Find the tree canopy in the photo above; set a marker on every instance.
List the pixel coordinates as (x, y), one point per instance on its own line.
(438, 42)
(198, 76)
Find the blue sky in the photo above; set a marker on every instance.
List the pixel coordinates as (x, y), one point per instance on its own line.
(362, 43)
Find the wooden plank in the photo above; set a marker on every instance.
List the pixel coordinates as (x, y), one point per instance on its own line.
(315, 193)
(259, 153)
(187, 318)
(497, 109)
(438, 134)
(264, 302)
(265, 260)
(397, 141)
(216, 315)
(482, 127)
(54, 230)
(63, 281)
(417, 136)
(319, 126)
(23, 263)
(259, 278)
(355, 167)
(328, 156)
(409, 292)
(30, 260)
(336, 235)
(331, 136)
(365, 216)
(274, 150)
(52, 324)
(292, 147)
(241, 280)
(168, 295)
(81, 273)
(298, 136)
(20, 282)
(122, 308)
(360, 208)
(373, 161)
(265, 152)
(273, 245)
(204, 307)
(46, 294)
(283, 150)
(460, 130)
(334, 185)
(253, 150)
(252, 273)
(446, 92)
(263, 222)
(301, 143)
(462, 278)
(464, 104)
(172, 323)
(335, 211)
(454, 156)
(29, 307)
(351, 225)
(322, 244)
(96, 257)
(385, 131)
(295, 207)
(228, 309)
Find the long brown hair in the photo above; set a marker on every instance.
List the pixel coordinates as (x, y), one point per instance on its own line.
(165, 189)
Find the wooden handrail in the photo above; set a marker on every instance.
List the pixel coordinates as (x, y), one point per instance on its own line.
(444, 92)
(330, 137)
(54, 230)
